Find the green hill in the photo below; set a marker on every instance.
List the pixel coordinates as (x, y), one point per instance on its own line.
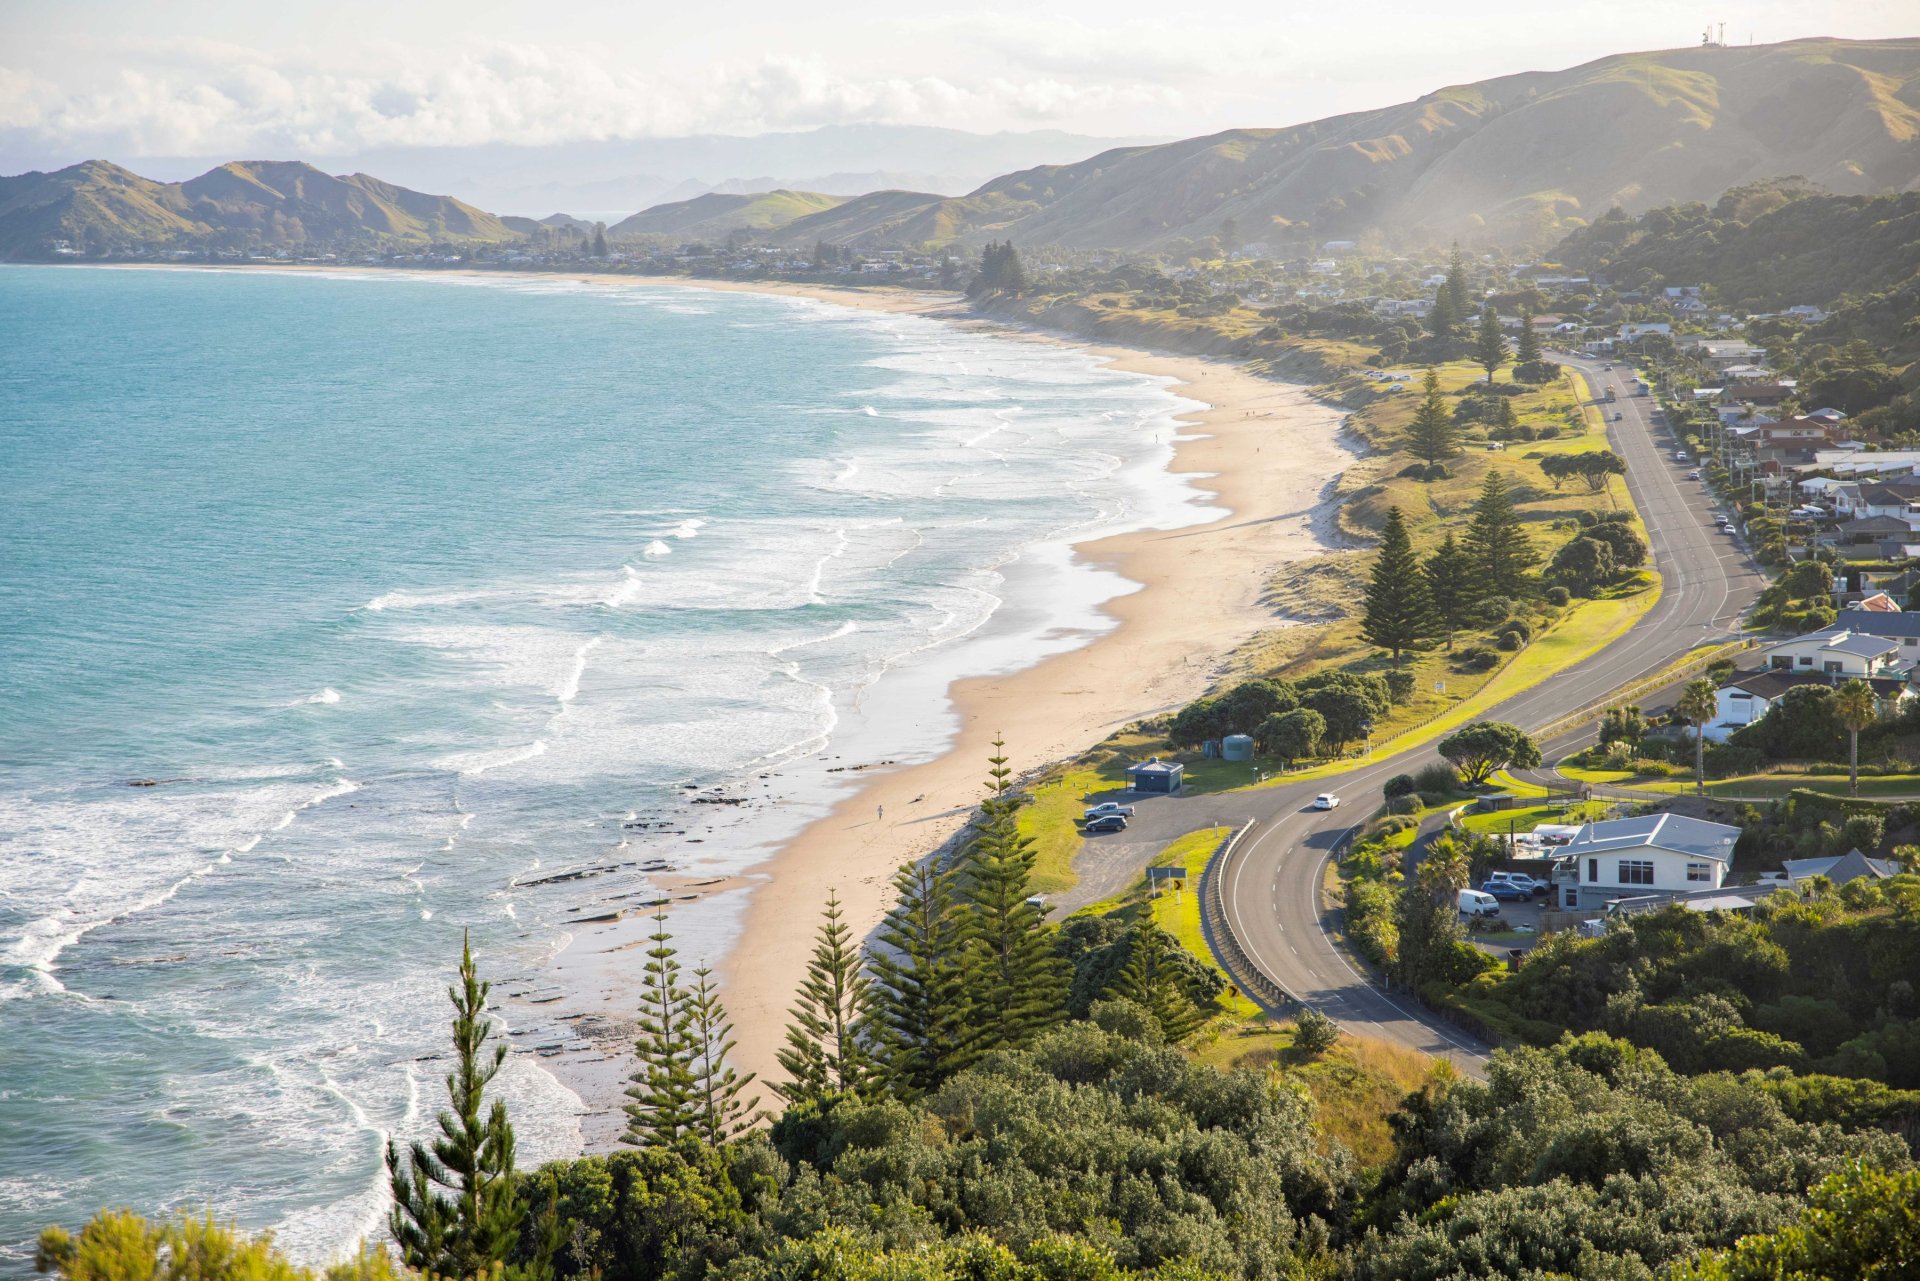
(100, 207)
(1521, 158)
(717, 215)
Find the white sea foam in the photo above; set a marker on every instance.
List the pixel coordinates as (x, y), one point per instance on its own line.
(473, 764)
(657, 548)
(328, 695)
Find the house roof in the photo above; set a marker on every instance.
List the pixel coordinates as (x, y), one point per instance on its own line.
(1899, 625)
(1672, 832)
(1878, 603)
(1772, 684)
(1861, 645)
(1876, 525)
(1881, 495)
(1841, 868)
(1156, 767)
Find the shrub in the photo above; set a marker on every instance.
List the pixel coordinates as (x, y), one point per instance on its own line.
(1398, 785)
(1314, 1033)
(1558, 596)
(1550, 432)
(1404, 805)
(1438, 777)
(1518, 625)
(1475, 658)
(1491, 611)
(1394, 824)
(1508, 641)
(1400, 686)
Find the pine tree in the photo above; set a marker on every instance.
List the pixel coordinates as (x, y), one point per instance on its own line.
(1498, 550)
(663, 1109)
(1399, 608)
(1458, 302)
(1016, 984)
(1490, 344)
(475, 1228)
(1149, 979)
(719, 1111)
(599, 241)
(1432, 436)
(826, 1056)
(919, 1004)
(1526, 351)
(1505, 421)
(1450, 585)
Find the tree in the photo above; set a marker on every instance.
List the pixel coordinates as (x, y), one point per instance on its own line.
(1863, 1223)
(1853, 705)
(1450, 585)
(825, 1058)
(719, 1112)
(1016, 983)
(1697, 704)
(1347, 713)
(1479, 749)
(1596, 468)
(599, 240)
(1490, 344)
(1151, 980)
(478, 1226)
(1314, 1033)
(919, 1003)
(1583, 564)
(1291, 735)
(1498, 550)
(1629, 549)
(1399, 607)
(1526, 352)
(1249, 703)
(662, 1111)
(1444, 870)
(1432, 436)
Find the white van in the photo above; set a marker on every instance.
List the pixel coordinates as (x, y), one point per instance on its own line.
(1478, 903)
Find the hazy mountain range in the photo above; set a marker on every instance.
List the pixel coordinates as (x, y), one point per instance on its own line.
(1518, 158)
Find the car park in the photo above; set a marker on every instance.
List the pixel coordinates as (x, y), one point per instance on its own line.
(1108, 807)
(1106, 823)
(1326, 801)
(1520, 881)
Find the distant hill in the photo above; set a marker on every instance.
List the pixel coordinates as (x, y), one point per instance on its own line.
(1520, 158)
(98, 206)
(717, 215)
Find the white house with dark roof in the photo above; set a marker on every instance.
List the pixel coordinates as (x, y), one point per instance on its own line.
(1635, 857)
(1751, 695)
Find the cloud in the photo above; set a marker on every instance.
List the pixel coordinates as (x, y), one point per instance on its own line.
(192, 97)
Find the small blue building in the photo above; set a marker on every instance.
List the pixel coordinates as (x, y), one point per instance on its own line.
(1155, 776)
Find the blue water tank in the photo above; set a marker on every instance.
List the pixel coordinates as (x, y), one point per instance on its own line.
(1236, 747)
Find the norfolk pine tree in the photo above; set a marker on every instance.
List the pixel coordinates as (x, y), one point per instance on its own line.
(719, 1111)
(825, 1056)
(1015, 982)
(478, 1226)
(663, 1110)
(1450, 585)
(919, 1004)
(1526, 350)
(1399, 609)
(1489, 344)
(1431, 436)
(1499, 552)
(1149, 980)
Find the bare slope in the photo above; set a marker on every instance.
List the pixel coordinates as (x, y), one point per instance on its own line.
(1520, 157)
(717, 215)
(97, 206)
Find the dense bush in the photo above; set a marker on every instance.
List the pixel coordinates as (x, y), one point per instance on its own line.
(1438, 777)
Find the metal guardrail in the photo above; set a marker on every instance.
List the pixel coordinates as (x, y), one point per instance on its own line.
(1214, 925)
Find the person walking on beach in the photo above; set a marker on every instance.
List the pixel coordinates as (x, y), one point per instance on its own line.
(879, 813)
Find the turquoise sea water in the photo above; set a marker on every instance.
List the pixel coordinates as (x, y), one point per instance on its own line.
(404, 592)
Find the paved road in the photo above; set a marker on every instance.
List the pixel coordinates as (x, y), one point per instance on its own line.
(1273, 890)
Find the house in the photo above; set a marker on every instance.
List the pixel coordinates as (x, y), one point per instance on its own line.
(1878, 603)
(1902, 628)
(1773, 393)
(1633, 330)
(1839, 868)
(1155, 775)
(1837, 652)
(1637, 857)
(1749, 696)
(1877, 530)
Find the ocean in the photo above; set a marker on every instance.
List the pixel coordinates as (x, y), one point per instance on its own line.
(341, 613)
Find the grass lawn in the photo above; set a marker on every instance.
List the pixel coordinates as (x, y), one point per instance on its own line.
(1900, 786)
(1500, 822)
(1052, 821)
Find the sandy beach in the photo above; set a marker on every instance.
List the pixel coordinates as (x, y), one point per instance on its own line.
(1265, 449)
(1267, 453)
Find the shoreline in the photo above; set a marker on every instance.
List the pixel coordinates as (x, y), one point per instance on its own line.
(1260, 451)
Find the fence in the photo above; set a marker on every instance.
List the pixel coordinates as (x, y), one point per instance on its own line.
(1240, 968)
(1639, 689)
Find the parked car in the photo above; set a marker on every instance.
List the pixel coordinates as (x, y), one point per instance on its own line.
(1106, 823)
(1505, 891)
(1108, 807)
(1477, 903)
(1618, 416)
(1681, 456)
(1326, 801)
(1521, 881)
(1693, 475)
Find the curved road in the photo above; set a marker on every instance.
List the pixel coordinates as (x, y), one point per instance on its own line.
(1272, 891)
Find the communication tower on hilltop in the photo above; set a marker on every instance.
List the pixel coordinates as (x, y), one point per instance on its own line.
(1707, 40)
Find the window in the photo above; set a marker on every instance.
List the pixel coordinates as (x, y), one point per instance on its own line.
(1806, 660)
(1635, 871)
(1593, 871)
(1700, 872)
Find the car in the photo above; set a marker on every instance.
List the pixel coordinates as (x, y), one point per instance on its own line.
(1504, 890)
(1106, 823)
(1476, 903)
(1108, 807)
(1520, 881)
(1326, 800)
(1608, 368)
(1693, 475)
(1681, 456)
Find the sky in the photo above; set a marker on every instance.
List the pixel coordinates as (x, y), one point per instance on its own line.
(126, 79)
